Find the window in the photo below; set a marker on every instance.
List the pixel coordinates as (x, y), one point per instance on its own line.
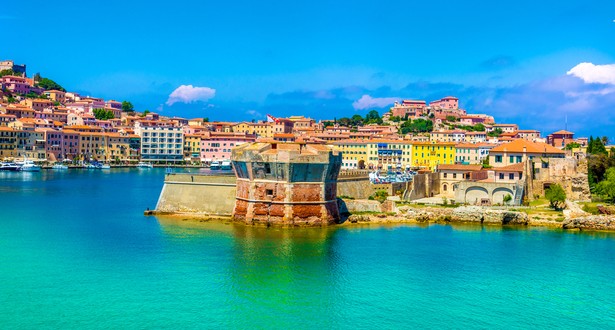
(445, 175)
(501, 176)
(511, 176)
(511, 159)
(498, 158)
(454, 175)
(519, 159)
(520, 176)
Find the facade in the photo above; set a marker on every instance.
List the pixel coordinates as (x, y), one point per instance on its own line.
(160, 141)
(409, 108)
(287, 184)
(354, 153)
(431, 154)
(449, 102)
(218, 145)
(520, 150)
(451, 175)
(56, 95)
(472, 153)
(560, 139)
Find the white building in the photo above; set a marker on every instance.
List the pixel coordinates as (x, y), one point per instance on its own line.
(160, 141)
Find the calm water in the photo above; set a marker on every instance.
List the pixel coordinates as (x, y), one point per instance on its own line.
(76, 252)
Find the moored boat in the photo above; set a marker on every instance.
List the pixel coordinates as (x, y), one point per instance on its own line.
(29, 166)
(145, 165)
(8, 166)
(59, 166)
(226, 165)
(215, 165)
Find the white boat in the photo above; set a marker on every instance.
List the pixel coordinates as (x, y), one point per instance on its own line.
(145, 165)
(226, 165)
(215, 165)
(89, 166)
(8, 166)
(59, 166)
(105, 167)
(29, 166)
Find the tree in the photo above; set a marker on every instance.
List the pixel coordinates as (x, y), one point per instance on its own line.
(605, 140)
(48, 84)
(606, 187)
(571, 145)
(7, 72)
(496, 132)
(416, 126)
(127, 106)
(556, 196)
(373, 117)
(37, 77)
(145, 113)
(206, 120)
(395, 119)
(479, 127)
(451, 118)
(103, 114)
(507, 198)
(356, 120)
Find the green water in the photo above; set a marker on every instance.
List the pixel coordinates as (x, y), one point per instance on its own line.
(76, 252)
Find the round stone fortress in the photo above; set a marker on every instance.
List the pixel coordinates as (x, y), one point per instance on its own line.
(290, 184)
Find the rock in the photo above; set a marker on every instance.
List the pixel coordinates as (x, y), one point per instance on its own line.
(358, 218)
(591, 222)
(362, 205)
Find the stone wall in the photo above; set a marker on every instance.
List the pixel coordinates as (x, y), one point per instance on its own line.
(568, 172)
(423, 185)
(198, 194)
(470, 192)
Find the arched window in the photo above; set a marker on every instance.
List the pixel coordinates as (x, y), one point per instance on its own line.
(444, 187)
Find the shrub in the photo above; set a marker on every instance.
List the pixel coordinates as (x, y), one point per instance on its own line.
(556, 196)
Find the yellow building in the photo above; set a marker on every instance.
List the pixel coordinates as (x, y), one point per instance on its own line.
(354, 153)
(117, 147)
(427, 155)
(192, 146)
(263, 130)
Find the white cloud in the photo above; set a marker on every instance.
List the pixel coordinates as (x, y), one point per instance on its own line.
(591, 73)
(189, 94)
(367, 101)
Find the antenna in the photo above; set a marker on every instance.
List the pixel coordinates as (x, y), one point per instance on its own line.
(566, 126)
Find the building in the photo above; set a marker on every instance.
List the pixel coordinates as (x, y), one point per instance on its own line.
(560, 139)
(428, 155)
(10, 65)
(448, 102)
(55, 95)
(409, 108)
(286, 184)
(354, 153)
(520, 150)
(160, 141)
(472, 153)
(218, 145)
(451, 174)
(15, 84)
(456, 136)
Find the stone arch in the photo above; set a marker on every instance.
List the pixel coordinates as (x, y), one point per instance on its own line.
(475, 194)
(497, 196)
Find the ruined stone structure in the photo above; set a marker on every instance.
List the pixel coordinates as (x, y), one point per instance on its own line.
(286, 184)
(569, 172)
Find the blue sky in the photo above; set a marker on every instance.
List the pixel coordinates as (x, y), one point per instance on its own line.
(244, 59)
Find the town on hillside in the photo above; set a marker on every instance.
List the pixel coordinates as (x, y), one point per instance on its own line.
(43, 122)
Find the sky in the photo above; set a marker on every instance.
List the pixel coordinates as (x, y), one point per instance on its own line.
(544, 65)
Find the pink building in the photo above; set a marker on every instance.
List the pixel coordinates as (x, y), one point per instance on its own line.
(218, 145)
(16, 84)
(410, 108)
(449, 102)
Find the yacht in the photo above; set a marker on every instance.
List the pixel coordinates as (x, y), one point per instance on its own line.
(59, 166)
(105, 167)
(89, 166)
(8, 166)
(226, 165)
(29, 166)
(145, 165)
(215, 165)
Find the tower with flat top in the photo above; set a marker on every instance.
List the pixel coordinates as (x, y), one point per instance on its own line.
(289, 184)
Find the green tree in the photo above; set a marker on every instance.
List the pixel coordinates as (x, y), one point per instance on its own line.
(507, 198)
(606, 187)
(206, 120)
(556, 196)
(356, 120)
(37, 77)
(127, 106)
(373, 117)
(395, 119)
(451, 118)
(103, 114)
(48, 84)
(416, 126)
(145, 113)
(7, 72)
(495, 133)
(571, 145)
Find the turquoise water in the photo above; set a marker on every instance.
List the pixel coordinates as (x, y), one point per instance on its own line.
(77, 252)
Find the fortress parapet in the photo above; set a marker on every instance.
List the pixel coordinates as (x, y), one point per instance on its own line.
(286, 183)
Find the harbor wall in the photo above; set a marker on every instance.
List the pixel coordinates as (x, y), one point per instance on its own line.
(212, 195)
(215, 194)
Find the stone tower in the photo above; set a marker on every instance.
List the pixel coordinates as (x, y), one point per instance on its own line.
(289, 184)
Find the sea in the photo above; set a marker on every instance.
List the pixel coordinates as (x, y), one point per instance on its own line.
(76, 251)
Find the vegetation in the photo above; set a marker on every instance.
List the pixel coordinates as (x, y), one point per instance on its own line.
(476, 128)
(145, 113)
(572, 145)
(606, 187)
(598, 161)
(103, 114)
(451, 118)
(507, 198)
(556, 196)
(8, 72)
(379, 195)
(495, 133)
(395, 119)
(48, 84)
(206, 120)
(416, 126)
(127, 106)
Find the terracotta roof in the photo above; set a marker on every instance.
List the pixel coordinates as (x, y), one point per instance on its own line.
(517, 145)
(459, 167)
(562, 132)
(518, 167)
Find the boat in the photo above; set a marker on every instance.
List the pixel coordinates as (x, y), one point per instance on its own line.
(145, 165)
(29, 166)
(215, 165)
(105, 167)
(226, 165)
(59, 166)
(89, 166)
(8, 166)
